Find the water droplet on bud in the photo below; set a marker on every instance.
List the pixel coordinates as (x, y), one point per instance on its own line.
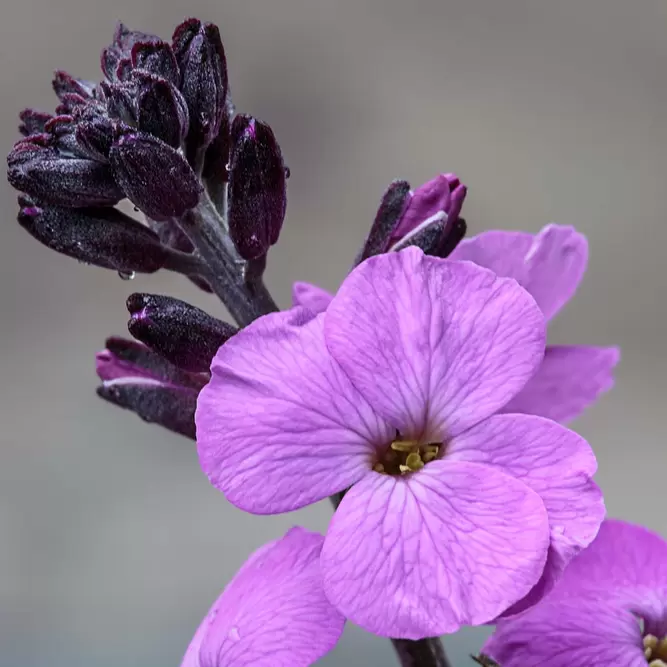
(126, 275)
(288, 173)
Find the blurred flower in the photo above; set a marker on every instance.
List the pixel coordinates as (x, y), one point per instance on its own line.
(609, 608)
(273, 613)
(550, 265)
(454, 515)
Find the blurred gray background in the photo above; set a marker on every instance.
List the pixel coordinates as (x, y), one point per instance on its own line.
(112, 542)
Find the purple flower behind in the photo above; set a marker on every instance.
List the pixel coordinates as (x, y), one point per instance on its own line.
(454, 514)
(273, 613)
(609, 608)
(550, 265)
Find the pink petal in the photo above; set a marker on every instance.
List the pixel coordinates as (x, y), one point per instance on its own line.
(435, 346)
(556, 463)
(568, 381)
(454, 544)
(312, 297)
(273, 613)
(279, 425)
(575, 633)
(549, 265)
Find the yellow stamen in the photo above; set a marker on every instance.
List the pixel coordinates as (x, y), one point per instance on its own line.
(404, 445)
(404, 469)
(414, 461)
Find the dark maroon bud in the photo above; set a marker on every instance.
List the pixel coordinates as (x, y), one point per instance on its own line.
(155, 177)
(103, 237)
(69, 103)
(216, 162)
(158, 59)
(453, 237)
(257, 196)
(121, 49)
(33, 121)
(201, 59)
(392, 206)
(62, 181)
(120, 101)
(59, 125)
(95, 137)
(182, 334)
(162, 111)
(135, 378)
(427, 236)
(64, 83)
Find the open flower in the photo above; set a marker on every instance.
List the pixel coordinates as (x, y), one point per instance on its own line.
(550, 265)
(273, 613)
(454, 514)
(609, 608)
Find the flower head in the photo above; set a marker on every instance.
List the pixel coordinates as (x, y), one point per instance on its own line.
(273, 613)
(609, 608)
(454, 514)
(550, 265)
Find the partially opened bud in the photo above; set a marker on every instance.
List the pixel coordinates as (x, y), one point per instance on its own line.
(257, 195)
(155, 177)
(140, 380)
(203, 67)
(184, 335)
(118, 55)
(100, 236)
(43, 173)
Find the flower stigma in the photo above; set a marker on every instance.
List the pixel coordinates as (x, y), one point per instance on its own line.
(406, 456)
(655, 651)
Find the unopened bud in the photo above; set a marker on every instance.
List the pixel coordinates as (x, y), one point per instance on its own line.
(257, 196)
(155, 177)
(64, 84)
(33, 121)
(100, 236)
(156, 58)
(135, 378)
(184, 335)
(162, 111)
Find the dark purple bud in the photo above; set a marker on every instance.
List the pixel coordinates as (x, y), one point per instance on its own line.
(427, 236)
(444, 193)
(33, 121)
(184, 335)
(201, 59)
(69, 103)
(121, 49)
(100, 236)
(120, 101)
(137, 379)
(158, 59)
(64, 84)
(216, 162)
(95, 137)
(454, 235)
(257, 196)
(59, 125)
(162, 111)
(394, 202)
(155, 177)
(51, 178)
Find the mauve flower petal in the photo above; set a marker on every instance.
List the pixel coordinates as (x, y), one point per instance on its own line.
(556, 463)
(273, 613)
(434, 346)
(454, 544)
(582, 632)
(549, 265)
(279, 425)
(622, 556)
(570, 379)
(309, 296)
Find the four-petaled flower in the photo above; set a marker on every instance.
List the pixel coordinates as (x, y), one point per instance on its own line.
(273, 613)
(550, 265)
(609, 608)
(454, 514)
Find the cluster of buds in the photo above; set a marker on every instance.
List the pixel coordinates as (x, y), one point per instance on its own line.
(160, 131)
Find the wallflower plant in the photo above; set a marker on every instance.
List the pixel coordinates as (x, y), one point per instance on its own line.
(421, 398)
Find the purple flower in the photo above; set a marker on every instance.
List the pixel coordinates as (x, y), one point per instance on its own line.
(454, 514)
(550, 266)
(273, 613)
(609, 608)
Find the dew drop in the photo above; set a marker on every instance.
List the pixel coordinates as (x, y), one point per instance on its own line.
(228, 167)
(288, 172)
(234, 634)
(126, 275)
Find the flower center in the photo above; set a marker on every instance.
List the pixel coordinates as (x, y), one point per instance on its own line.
(655, 651)
(406, 456)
